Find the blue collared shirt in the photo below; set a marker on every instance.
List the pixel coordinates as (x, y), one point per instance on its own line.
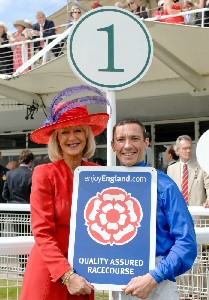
(175, 238)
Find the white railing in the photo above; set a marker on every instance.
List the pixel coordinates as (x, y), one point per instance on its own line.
(45, 55)
(191, 12)
(14, 252)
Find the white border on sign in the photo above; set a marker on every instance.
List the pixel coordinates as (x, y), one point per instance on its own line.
(153, 173)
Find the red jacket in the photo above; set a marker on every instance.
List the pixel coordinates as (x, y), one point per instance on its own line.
(51, 199)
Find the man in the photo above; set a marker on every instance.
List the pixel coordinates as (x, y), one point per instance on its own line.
(12, 165)
(176, 247)
(44, 28)
(196, 188)
(170, 157)
(17, 187)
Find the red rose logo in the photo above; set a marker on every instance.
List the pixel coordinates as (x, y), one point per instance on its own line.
(113, 217)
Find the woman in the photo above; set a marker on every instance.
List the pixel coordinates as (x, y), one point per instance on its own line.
(171, 8)
(75, 14)
(6, 54)
(136, 9)
(19, 36)
(69, 133)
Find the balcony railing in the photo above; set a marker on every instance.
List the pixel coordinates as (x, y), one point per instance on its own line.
(54, 46)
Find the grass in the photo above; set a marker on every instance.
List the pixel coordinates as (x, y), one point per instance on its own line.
(10, 291)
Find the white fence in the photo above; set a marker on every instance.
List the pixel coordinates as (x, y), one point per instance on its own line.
(14, 251)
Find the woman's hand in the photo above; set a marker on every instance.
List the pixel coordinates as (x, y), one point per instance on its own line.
(77, 285)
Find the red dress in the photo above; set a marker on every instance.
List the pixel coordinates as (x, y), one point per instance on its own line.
(174, 20)
(51, 198)
(18, 61)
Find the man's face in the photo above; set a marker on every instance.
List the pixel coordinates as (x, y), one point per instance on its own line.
(185, 150)
(168, 156)
(41, 19)
(129, 144)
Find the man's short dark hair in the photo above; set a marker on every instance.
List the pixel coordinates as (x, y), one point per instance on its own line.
(129, 121)
(26, 156)
(172, 152)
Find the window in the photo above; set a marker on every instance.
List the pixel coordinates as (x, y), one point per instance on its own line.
(13, 141)
(170, 132)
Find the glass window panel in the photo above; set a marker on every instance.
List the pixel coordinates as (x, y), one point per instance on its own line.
(170, 132)
(102, 138)
(160, 162)
(204, 126)
(13, 141)
(100, 156)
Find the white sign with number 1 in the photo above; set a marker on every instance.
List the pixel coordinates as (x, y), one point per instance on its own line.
(110, 48)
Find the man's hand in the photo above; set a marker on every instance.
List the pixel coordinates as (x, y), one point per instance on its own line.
(140, 286)
(206, 204)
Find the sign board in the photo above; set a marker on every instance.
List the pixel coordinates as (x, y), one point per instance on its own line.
(113, 224)
(110, 48)
(202, 151)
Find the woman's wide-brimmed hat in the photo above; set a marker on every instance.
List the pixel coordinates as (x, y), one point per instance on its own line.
(4, 26)
(21, 22)
(72, 113)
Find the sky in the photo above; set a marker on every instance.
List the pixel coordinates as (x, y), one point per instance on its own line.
(11, 10)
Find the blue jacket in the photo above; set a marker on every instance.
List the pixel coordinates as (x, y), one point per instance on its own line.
(176, 238)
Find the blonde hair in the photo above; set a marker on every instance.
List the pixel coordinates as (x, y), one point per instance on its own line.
(55, 151)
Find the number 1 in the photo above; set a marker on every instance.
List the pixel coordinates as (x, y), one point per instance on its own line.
(110, 67)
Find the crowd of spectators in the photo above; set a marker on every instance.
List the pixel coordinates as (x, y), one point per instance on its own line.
(13, 56)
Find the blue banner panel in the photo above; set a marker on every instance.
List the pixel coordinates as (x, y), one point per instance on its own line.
(113, 224)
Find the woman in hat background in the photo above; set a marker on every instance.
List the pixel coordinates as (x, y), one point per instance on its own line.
(19, 36)
(69, 133)
(6, 54)
(75, 14)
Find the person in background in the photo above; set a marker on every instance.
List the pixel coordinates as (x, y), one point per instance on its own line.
(17, 187)
(196, 187)
(189, 19)
(29, 29)
(202, 4)
(170, 7)
(12, 165)
(16, 190)
(6, 53)
(176, 247)
(160, 11)
(136, 9)
(20, 36)
(75, 14)
(170, 157)
(44, 28)
(69, 133)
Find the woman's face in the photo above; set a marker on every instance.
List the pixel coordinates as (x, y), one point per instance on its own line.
(72, 141)
(19, 27)
(76, 14)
